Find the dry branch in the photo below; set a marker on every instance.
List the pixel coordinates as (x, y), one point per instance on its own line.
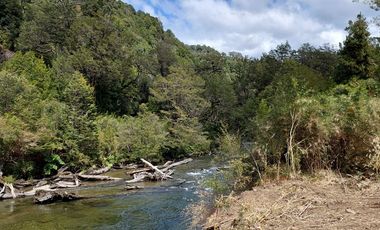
(139, 177)
(162, 175)
(97, 177)
(177, 164)
(98, 171)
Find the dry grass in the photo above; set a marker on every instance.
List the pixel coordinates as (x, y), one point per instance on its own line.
(327, 201)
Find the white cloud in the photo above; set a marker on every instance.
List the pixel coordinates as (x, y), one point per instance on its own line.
(255, 26)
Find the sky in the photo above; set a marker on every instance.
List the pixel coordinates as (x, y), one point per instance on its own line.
(253, 27)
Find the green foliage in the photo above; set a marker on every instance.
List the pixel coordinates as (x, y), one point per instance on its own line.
(33, 69)
(52, 163)
(355, 56)
(186, 137)
(13, 89)
(330, 129)
(323, 60)
(95, 82)
(10, 19)
(242, 171)
(179, 99)
(131, 138)
(182, 91)
(143, 136)
(9, 179)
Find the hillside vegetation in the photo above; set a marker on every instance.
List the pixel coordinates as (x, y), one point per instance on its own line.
(93, 82)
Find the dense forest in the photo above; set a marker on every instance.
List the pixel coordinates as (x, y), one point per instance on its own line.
(93, 82)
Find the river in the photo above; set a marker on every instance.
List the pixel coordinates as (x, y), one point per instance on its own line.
(161, 205)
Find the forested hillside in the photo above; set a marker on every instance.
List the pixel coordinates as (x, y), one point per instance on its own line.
(93, 82)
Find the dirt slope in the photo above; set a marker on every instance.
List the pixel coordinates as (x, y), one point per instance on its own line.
(325, 202)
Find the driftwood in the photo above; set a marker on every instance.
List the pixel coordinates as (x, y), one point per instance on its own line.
(177, 164)
(62, 170)
(131, 172)
(160, 172)
(67, 184)
(63, 179)
(97, 177)
(66, 179)
(128, 166)
(166, 164)
(139, 177)
(44, 197)
(161, 175)
(41, 183)
(32, 192)
(12, 195)
(8, 192)
(147, 169)
(23, 183)
(98, 171)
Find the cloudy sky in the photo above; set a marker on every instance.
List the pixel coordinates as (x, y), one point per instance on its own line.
(256, 26)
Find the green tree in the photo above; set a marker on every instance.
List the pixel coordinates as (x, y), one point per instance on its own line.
(323, 59)
(181, 90)
(355, 55)
(46, 27)
(11, 16)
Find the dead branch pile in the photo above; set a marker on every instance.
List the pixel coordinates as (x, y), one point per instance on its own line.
(62, 180)
(155, 173)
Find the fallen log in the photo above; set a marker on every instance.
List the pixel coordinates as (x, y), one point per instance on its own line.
(139, 177)
(7, 196)
(62, 170)
(41, 183)
(161, 175)
(66, 177)
(98, 171)
(138, 171)
(32, 192)
(44, 197)
(67, 184)
(12, 190)
(97, 177)
(147, 169)
(8, 192)
(23, 183)
(177, 164)
(166, 164)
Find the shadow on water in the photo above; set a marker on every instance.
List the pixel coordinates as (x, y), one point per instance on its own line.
(160, 205)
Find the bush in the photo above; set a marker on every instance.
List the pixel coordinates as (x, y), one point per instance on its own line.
(131, 138)
(333, 129)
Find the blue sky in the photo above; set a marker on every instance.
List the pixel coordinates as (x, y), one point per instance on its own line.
(256, 26)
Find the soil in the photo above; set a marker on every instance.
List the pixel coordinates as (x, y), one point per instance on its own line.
(327, 201)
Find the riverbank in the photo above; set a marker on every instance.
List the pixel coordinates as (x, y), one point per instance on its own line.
(326, 201)
(160, 205)
(65, 179)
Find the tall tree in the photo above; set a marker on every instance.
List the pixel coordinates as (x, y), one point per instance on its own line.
(10, 19)
(355, 58)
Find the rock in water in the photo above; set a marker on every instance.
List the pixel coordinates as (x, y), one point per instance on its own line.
(47, 197)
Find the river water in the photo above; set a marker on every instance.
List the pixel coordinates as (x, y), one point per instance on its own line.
(161, 205)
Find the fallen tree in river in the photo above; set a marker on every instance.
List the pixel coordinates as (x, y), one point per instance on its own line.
(156, 173)
(62, 180)
(97, 177)
(68, 180)
(98, 171)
